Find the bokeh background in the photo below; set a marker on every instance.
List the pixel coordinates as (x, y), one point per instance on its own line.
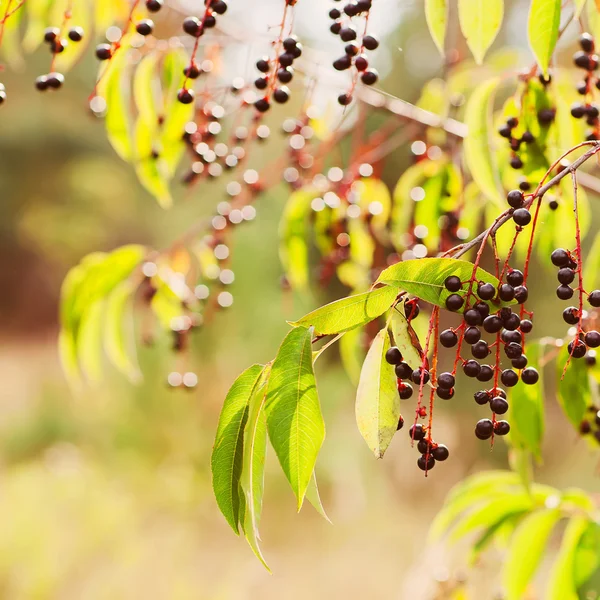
(107, 493)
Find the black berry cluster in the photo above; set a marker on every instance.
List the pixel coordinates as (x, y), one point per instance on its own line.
(526, 137)
(355, 46)
(590, 426)
(196, 27)
(587, 60)
(277, 72)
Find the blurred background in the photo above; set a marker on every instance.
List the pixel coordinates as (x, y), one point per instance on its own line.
(107, 494)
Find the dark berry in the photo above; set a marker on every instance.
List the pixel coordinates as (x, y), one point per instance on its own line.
(559, 257)
(351, 9)
(281, 95)
(55, 80)
(515, 278)
(564, 292)
(452, 283)
(154, 5)
(369, 77)
(393, 355)
(509, 378)
(521, 294)
(220, 7)
(516, 162)
(492, 324)
(506, 292)
(405, 391)
(192, 72)
(351, 50)
(440, 453)
(361, 62)
(530, 376)
(342, 63)
(501, 427)
(285, 75)
(424, 446)
(335, 28)
(400, 423)
(471, 368)
(519, 363)
(445, 394)
(290, 43)
(472, 335)
(41, 83)
(498, 405)
(370, 42)
(448, 338)
(582, 60)
(484, 429)
(446, 380)
(419, 375)
(481, 397)
(262, 105)
(145, 27)
(513, 350)
(426, 464)
(483, 309)
(480, 349)
(594, 298)
(546, 116)
(403, 371)
(344, 99)
(192, 26)
(473, 317)
(454, 302)
(522, 217)
(76, 34)
(527, 137)
(512, 336)
(577, 349)
(286, 59)
(334, 13)
(417, 432)
(51, 34)
(485, 373)
(512, 322)
(486, 291)
(565, 275)
(578, 110)
(571, 315)
(585, 427)
(515, 198)
(209, 22)
(524, 185)
(411, 309)
(103, 51)
(505, 131)
(348, 34)
(592, 339)
(586, 41)
(526, 326)
(185, 96)
(263, 65)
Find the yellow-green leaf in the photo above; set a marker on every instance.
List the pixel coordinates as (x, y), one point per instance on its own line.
(436, 14)
(543, 26)
(480, 21)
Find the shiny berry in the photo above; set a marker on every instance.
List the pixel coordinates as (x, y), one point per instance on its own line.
(522, 217)
(501, 427)
(145, 27)
(564, 292)
(515, 198)
(448, 338)
(154, 5)
(426, 464)
(485, 373)
(559, 257)
(417, 432)
(440, 453)
(571, 315)
(185, 96)
(446, 380)
(594, 298)
(454, 302)
(452, 283)
(592, 339)
(484, 429)
(530, 376)
(76, 34)
(509, 378)
(393, 355)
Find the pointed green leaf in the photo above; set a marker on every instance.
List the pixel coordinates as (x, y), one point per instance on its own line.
(227, 455)
(527, 547)
(253, 469)
(313, 496)
(436, 13)
(377, 399)
(574, 394)
(587, 556)
(543, 26)
(404, 341)
(478, 147)
(348, 313)
(480, 21)
(294, 419)
(561, 585)
(424, 277)
(89, 341)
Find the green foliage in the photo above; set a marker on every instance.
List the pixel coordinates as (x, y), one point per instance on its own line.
(574, 393)
(480, 22)
(436, 12)
(544, 23)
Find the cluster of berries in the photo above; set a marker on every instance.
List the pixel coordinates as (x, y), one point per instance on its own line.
(276, 72)
(196, 28)
(587, 60)
(591, 425)
(431, 452)
(567, 270)
(354, 51)
(507, 131)
(57, 45)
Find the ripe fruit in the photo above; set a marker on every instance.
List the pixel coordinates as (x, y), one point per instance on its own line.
(370, 42)
(454, 302)
(403, 371)
(448, 338)
(55, 80)
(262, 105)
(521, 294)
(285, 75)
(594, 298)
(76, 34)
(446, 380)
(393, 355)
(471, 368)
(509, 378)
(526, 326)
(564, 292)
(571, 315)
(472, 335)
(361, 62)
(440, 453)
(485, 373)
(577, 110)
(347, 34)
(481, 397)
(515, 198)
(498, 405)
(559, 257)
(417, 432)
(419, 375)
(185, 96)
(501, 427)
(452, 283)
(344, 99)
(51, 33)
(577, 349)
(519, 363)
(400, 423)
(426, 464)
(492, 324)
(515, 278)
(522, 217)
(369, 77)
(586, 41)
(486, 291)
(506, 292)
(281, 95)
(41, 83)
(484, 429)
(220, 7)
(473, 317)
(516, 162)
(192, 26)
(263, 65)
(513, 350)
(445, 394)
(530, 376)
(145, 27)
(154, 5)
(592, 339)
(405, 391)
(582, 60)
(342, 63)
(103, 51)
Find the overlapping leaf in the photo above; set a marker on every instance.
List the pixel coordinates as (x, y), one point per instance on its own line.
(543, 27)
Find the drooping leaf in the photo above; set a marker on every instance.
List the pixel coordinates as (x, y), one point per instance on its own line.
(227, 455)
(527, 408)
(377, 398)
(425, 277)
(561, 585)
(404, 338)
(436, 13)
(480, 21)
(587, 555)
(352, 353)
(313, 496)
(294, 420)
(348, 313)
(543, 27)
(478, 146)
(526, 551)
(89, 341)
(253, 462)
(573, 390)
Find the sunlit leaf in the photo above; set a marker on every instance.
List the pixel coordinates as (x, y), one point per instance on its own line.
(352, 353)
(348, 313)
(377, 398)
(478, 146)
(313, 496)
(227, 455)
(294, 421)
(425, 277)
(404, 338)
(587, 555)
(436, 13)
(480, 21)
(561, 584)
(544, 23)
(89, 341)
(574, 394)
(526, 550)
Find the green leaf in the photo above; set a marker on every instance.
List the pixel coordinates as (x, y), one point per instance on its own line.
(424, 277)
(404, 340)
(119, 340)
(480, 21)
(293, 236)
(436, 13)
(561, 585)
(527, 547)
(313, 496)
(377, 399)
(587, 555)
(89, 341)
(574, 394)
(348, 313)
(294, 419)
(227, 455)
(253, 469)
(544, 23)
(478, 147)
(527, 408)
(145, 87)
(352, 353)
